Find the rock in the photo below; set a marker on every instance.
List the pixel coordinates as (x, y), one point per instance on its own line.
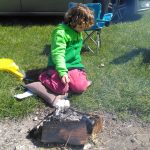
(132, 140)
(87, 146)
(35, 119)
(102, 65)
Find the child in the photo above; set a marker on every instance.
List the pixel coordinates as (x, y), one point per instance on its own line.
(66, 72)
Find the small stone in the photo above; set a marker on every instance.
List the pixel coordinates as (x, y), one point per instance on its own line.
(19, 130)
(102, 65)
(129, 126)
(37, 113)
(114, 118)
(132, 140)
(87, 146)
(35, 119)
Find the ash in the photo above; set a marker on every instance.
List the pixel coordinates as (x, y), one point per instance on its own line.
(67, 115)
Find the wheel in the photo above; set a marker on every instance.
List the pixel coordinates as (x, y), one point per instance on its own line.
(132, 6)
(123, 9)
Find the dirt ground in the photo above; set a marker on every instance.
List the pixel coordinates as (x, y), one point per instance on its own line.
(116, 135)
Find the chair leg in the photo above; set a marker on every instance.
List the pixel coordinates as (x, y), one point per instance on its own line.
(90, 49)
(97, 42)
(89, 36)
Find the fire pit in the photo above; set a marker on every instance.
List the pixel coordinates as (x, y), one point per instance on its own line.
(70, 127)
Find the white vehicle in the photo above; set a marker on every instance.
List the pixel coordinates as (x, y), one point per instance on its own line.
(59, 7)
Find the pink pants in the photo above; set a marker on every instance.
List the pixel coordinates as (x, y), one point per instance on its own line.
(78, 81)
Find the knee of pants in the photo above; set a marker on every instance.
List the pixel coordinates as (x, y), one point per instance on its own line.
(78, 88)
(60, 89)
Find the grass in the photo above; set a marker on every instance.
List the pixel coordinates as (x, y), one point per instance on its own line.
(121, 86)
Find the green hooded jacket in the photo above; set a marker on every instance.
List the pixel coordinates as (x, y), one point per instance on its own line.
(66, 46)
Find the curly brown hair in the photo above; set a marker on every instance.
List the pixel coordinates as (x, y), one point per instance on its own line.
(79, 15)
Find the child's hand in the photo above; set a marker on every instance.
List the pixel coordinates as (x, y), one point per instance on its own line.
(65, 79)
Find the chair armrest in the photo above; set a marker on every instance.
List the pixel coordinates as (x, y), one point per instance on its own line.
(107, 17)
(105, 21)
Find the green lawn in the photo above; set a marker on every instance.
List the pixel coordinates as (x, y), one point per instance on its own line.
(122, 86)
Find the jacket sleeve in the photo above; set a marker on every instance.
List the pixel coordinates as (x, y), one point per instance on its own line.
(58, 49)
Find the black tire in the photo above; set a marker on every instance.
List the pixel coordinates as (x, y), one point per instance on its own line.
(131, 5)
(128, 9)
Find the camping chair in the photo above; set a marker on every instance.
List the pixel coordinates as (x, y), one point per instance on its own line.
(98, 25)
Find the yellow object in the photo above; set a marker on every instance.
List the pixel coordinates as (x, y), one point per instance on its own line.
(9, 65)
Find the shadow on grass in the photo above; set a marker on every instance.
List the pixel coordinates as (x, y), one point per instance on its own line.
(46, 50)
(127, 18)
(130, 18)
(25, 21)
(134, 53)
(33, 75)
